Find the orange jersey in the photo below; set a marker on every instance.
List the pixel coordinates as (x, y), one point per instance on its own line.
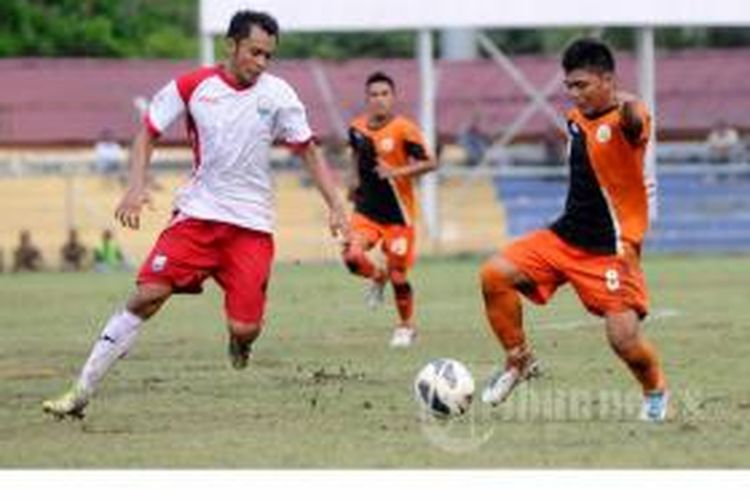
(388, 201)
(607, 203)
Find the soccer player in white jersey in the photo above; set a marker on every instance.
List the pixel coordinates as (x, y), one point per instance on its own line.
(223, 218)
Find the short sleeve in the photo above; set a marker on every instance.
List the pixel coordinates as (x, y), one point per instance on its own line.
(166, 106)
(414, 142)
(291, 120)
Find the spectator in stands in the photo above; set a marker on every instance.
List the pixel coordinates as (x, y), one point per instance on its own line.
(474, 142)
(73, 253)
(109, 156)
(108, 256)
(724, 143)
(27, 257)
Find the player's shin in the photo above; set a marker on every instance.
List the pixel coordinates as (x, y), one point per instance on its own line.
(625, 337)
(641, 358)
(404, 296)
(115, 340)
(503, 308)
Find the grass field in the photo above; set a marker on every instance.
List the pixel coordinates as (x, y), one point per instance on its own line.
(324, 390)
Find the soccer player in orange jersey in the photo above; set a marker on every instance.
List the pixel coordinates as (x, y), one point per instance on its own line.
(389, 152)
(595, 245)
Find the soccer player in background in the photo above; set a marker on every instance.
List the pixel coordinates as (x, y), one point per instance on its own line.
(223, 219)
(389, 152)
(596, 244)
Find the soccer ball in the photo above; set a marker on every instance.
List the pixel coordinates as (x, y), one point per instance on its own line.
(444, 388)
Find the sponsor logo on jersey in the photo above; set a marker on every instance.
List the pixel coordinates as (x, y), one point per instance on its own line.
(387, 144)
(264, 106)
(603, 133)
(158, 263)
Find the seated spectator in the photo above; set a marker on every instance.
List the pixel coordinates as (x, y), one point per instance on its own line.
(27, 257)
(474, 142)
(724, 143)
(108, 256)
(73, 253)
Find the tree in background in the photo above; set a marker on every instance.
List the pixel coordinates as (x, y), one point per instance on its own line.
(98, 28)
(168, 29)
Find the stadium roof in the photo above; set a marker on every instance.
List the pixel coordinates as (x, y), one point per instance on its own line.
(383, 15)
(59, 100)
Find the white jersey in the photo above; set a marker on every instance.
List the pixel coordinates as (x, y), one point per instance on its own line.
(231, 130)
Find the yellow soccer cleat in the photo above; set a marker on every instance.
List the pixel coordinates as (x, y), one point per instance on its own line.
(71, 404)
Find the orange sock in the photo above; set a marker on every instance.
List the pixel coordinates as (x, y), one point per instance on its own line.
(643, 362)
(404, 301)
(503, 308)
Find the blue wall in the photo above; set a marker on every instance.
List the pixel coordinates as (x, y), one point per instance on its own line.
(698, 212)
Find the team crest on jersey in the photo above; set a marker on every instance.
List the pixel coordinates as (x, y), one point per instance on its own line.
(604, 133)
(158, 262)
(264, 106)
(386, 145)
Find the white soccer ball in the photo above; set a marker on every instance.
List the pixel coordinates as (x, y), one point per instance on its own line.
(444, 388)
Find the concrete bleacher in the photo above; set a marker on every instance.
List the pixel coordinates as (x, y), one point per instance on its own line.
(471, 218)
(705, 208)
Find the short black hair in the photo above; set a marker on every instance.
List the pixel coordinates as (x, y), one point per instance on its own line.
(588, 53)
(379, 76)
(243, 20)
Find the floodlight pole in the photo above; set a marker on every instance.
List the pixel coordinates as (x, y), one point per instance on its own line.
(207, 49)
(429, 182)
(647, 91)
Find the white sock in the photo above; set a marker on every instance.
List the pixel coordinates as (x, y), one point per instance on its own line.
(114, 342)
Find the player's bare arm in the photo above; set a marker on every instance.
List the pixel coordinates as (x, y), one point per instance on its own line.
(414, 169)
(352, 179)
(321, 174)
(128, 211)
(632, 123)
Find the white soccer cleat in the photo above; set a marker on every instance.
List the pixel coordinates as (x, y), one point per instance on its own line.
(655, 406)
(374, 294)
(70, 404)
(403, 336)
(502, 382)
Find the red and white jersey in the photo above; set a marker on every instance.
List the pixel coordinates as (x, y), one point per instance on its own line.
(231, 130)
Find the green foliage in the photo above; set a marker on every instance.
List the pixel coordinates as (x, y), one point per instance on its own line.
(98, 28)
(156, 28)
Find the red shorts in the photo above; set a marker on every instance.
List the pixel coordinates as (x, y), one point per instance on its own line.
(396, 240)
(604, 283)
(239, 259)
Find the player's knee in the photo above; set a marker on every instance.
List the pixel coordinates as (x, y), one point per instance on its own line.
(147, 299)
(353, 259)
(245, 330)
(397, 276)
(623, 332)
(494, 278)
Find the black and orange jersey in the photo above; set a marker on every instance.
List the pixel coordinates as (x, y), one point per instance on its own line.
(388, 201)
(607, 201)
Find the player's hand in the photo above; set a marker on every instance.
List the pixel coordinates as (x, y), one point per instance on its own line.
(384, 171)
(128, 212)
(339, 223)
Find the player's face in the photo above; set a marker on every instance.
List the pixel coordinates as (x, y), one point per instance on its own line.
(590, 91)
(380, 99)
(250, 57)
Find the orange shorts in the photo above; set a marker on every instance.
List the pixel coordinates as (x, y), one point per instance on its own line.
(604, 283)
(396, 240)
